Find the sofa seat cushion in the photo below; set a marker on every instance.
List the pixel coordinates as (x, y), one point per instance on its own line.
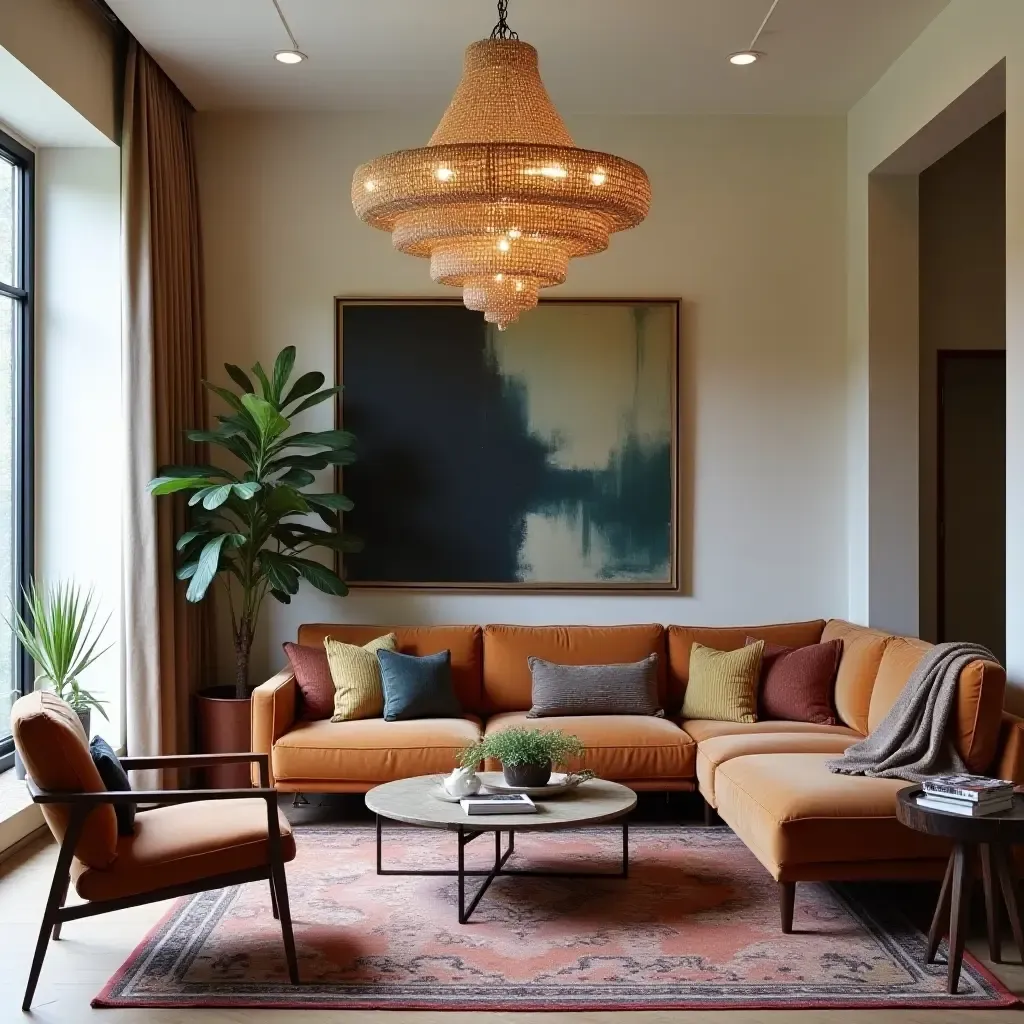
(181, 843)
(714, 752)
(372, 750)
(619, 747)
(701, 729)
(790, 810)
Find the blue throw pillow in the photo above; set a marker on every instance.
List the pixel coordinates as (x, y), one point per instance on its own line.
(115, 778)
(418, 687)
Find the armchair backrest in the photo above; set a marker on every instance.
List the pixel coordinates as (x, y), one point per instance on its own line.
(52, 743)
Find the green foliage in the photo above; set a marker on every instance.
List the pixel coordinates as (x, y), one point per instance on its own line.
(251, 530)
(517, 746)
(62, 639)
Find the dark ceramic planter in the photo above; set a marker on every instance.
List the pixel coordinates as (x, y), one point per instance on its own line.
(527, 775)
(225, 725)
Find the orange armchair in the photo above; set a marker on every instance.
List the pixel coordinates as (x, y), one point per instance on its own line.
(192, 841)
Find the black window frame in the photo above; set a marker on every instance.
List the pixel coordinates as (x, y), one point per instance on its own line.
(24, 407)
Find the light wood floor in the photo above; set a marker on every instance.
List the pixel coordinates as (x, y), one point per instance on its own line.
(77, 967)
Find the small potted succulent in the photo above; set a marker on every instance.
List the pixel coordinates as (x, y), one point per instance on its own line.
(527, 756)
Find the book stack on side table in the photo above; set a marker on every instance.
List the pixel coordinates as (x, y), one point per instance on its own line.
(969, 795)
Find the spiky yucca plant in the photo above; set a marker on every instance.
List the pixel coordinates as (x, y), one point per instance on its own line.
(62, 639)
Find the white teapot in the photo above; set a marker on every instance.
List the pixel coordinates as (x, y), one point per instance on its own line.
(462, 782)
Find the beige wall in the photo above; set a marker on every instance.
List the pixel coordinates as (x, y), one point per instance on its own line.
(962, 222)
(69, 45)
(747, 227)
(958, 49)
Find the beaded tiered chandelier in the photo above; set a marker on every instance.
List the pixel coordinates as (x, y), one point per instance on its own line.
(501, 198)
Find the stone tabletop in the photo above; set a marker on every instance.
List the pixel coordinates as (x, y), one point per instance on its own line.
(416, 802)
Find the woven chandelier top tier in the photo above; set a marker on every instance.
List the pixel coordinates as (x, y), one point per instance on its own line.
(501, 198)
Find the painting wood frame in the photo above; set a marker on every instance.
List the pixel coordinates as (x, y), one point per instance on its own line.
(670, 585)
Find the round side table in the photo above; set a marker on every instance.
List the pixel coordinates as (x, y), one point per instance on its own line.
(994, 835)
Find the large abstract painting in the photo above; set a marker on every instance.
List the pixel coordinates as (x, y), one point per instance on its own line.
(539, 457)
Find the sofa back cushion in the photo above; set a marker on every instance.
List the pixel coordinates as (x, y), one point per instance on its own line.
(979, 704)
(507, 680)
(728, 638)
(463, 641)
(858, 667)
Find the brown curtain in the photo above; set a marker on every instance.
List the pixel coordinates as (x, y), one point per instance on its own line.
(163, 354)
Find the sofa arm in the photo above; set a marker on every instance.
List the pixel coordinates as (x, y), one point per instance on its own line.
(273, 714)
(1010, 760)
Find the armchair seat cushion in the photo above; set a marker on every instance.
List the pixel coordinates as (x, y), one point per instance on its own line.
(618, 747)
(372, 750)
(184, 843)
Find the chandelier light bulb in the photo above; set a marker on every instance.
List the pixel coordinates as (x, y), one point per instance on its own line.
(505, 157)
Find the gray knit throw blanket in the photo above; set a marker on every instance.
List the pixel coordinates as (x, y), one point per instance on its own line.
(913, 741)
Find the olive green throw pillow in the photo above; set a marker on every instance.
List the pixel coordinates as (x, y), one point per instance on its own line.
(358, 688)
(723, 684)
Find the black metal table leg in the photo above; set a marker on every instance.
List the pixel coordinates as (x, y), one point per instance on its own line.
(464, 837)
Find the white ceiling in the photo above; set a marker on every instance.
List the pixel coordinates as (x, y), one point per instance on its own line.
(615, 56)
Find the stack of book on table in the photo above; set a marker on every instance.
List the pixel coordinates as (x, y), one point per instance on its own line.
(498, 803)
(970, 795)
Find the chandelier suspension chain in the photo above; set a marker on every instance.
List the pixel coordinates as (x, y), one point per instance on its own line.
(757, 34)
(501, 30)
(501, 198)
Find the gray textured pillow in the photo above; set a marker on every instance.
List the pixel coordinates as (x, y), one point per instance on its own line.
(630, 689)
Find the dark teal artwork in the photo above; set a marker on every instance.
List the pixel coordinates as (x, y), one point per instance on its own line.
(542, 456)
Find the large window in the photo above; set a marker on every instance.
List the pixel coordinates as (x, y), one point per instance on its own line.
(16, 280)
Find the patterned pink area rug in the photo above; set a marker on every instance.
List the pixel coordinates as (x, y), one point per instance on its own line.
(695, 926)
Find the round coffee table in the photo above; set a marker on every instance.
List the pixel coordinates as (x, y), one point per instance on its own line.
(416, 802)
(994, 835)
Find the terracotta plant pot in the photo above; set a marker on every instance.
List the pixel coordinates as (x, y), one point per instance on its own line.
(527, 775)
(224, 728)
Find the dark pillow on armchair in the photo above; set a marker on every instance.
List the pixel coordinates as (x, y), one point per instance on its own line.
(115, 778)
(798, 683)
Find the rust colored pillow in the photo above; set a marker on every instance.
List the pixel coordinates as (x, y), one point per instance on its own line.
(313, 678)
(798, 683)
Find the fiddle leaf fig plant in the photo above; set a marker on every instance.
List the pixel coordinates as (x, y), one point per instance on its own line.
(251, 530)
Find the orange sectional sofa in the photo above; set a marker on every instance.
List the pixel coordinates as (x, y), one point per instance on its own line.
(767, 780)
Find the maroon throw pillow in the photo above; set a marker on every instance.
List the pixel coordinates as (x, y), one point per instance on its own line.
(797, 683)
(313, 678)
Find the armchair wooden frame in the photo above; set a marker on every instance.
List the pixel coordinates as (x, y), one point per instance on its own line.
(81, 804)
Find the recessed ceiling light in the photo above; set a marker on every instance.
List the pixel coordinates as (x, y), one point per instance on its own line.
(290, 56)
(744, 57)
